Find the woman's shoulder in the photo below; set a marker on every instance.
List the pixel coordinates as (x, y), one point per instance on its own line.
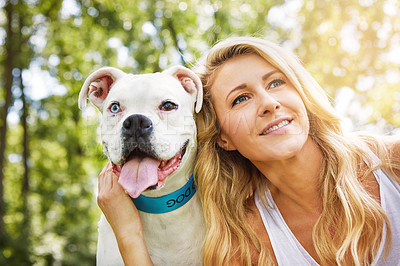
(392, 144)
(385, 151)
(381, 146)
(388, 150)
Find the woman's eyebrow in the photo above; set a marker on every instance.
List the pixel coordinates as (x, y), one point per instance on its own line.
(266, 76)
(240, 87)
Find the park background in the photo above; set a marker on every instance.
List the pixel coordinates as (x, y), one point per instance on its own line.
(50, 154)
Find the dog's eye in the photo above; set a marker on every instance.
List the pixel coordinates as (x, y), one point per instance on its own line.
(168, 106)
(114, 108)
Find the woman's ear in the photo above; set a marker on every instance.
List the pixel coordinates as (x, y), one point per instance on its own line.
(224, 142)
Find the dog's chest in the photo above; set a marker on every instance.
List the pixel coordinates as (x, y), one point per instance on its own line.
(175, 238)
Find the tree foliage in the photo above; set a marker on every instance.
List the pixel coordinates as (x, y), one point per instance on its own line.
(50, 155)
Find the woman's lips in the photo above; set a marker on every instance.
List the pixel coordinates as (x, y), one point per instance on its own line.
(276, 125)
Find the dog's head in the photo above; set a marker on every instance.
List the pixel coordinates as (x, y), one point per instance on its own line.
(147, 124)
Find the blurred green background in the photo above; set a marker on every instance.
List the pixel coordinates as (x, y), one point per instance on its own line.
(50, 154)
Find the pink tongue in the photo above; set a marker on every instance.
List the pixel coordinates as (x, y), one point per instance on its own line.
(139, 174)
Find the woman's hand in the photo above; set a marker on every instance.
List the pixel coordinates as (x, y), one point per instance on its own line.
(123, 217)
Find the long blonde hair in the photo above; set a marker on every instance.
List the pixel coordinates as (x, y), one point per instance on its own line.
(350, 228)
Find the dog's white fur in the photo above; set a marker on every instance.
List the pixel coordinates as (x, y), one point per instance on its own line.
(173, 238)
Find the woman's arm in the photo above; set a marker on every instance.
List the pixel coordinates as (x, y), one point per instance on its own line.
(123, 217)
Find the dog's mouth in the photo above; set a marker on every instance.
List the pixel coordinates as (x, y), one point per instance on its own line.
(141, 172)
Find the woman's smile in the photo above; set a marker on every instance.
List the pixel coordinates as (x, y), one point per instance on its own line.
(274, 129)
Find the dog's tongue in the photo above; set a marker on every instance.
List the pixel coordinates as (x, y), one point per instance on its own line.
(139, 174)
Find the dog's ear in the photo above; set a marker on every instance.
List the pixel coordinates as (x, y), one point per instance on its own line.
(97, 86)
(190, 82)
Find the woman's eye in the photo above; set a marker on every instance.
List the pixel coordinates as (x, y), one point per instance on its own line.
(276, 83)
(168, 106)
(114, 108)
(239, 99)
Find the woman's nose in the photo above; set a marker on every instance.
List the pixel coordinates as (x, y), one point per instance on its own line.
(267, 103)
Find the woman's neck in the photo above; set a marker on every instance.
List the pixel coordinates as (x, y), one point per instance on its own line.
(295, 180)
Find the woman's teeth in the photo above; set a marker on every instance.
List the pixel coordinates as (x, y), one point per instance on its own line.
(281, 124)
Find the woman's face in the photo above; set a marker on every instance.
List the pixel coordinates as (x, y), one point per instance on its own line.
(260, 112)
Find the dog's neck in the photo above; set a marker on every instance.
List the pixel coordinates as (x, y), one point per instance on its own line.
(166, 203)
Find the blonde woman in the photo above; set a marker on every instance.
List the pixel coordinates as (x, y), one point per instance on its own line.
(279, 181)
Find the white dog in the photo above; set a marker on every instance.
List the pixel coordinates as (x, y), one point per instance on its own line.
(149, 134)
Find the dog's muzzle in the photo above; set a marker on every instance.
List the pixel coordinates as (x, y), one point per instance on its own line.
(136, 131)
(140, 169)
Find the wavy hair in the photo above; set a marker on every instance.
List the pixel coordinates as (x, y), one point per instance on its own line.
(350, 228)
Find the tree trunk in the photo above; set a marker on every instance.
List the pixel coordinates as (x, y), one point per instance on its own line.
(8, 80)
(25, 157)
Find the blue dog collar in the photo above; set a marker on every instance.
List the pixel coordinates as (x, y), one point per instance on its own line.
(166, 203)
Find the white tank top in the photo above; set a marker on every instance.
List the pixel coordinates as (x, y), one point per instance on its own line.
(288, 250)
